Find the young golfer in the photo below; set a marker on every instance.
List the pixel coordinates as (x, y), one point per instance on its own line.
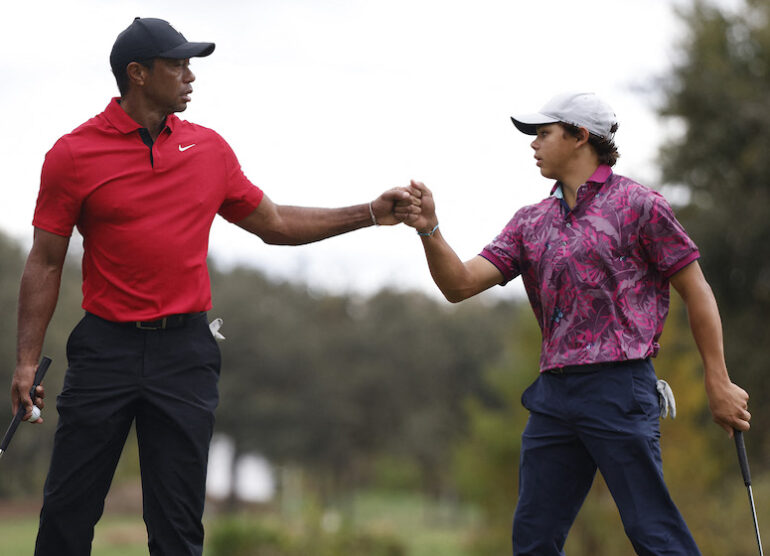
(143, 188)
(596, 257)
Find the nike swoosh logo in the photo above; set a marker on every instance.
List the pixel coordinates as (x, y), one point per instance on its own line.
(183, 149)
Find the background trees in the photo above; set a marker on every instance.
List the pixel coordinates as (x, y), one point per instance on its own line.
(398, 390)
(718, 95)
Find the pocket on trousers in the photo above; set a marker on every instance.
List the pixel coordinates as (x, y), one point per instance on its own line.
(530, 396)
(206, 348)
(645, 394)
(74, 341)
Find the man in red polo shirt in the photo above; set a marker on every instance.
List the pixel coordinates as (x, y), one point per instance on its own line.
(143, 187)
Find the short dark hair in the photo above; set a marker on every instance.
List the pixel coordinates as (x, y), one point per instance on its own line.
(121, 77)
(605, 149)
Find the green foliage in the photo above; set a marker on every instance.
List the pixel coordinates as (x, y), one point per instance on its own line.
(719, 94)
(238, 537)
(333, 383)
(381, 525)
(250, 536)
(486, 460)
(390, 473)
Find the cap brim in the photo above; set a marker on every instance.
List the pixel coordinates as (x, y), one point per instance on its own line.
(528, 123)
(189, 50)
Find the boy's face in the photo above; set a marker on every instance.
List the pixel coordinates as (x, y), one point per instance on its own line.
(554, 149)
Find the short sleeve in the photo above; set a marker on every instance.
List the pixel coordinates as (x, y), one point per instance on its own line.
(59, 200)
(505, 250)
(241, 196)
(663, 239)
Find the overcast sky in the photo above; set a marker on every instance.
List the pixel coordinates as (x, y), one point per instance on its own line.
(329, 103)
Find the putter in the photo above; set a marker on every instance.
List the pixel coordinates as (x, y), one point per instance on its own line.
(45, 362)
(744, 462)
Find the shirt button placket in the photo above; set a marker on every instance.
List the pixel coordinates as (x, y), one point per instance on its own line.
(566, 232)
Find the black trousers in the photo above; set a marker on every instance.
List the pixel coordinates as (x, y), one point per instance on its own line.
(164, 381)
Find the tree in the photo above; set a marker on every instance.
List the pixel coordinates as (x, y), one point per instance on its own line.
(26, 463)
(334, 382)
(720, 94)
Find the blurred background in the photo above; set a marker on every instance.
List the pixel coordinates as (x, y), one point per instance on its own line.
(360, 413)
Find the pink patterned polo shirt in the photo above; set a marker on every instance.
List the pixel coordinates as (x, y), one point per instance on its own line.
(597, 276)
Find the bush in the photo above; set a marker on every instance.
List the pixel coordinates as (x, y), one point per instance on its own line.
(248, 536)
(240, 537)
(363, 543)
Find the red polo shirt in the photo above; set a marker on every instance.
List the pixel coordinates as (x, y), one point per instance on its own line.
(144, 214)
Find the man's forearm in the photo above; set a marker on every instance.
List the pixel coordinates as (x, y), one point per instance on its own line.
(292, 225)
(38, 296)
(307, 225)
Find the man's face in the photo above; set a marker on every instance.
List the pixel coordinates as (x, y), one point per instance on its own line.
(168, 84)
(554, 149)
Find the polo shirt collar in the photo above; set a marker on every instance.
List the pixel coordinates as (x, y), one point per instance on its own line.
(600, 175)
(124, 123)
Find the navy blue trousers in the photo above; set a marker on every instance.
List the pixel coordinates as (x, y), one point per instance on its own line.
(606, 419)
(164, 382)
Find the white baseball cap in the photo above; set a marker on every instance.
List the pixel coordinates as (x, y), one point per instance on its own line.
(578, 109)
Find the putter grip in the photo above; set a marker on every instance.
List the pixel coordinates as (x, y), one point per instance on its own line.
(42, 368)
(742, 459)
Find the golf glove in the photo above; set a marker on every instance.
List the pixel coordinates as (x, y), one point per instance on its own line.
(666, 399)
(215, 325)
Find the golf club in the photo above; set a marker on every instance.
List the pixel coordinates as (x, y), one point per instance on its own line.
(45, 362)
(744, 462)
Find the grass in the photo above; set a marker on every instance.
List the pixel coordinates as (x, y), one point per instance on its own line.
(115, 536)
(425, 528)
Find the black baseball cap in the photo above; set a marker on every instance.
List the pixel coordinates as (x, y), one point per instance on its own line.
(147, 38)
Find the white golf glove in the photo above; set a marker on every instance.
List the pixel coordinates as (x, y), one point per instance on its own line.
(215, 325)
(666, 399)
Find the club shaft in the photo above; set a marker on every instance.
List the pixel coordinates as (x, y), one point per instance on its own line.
(754, 516)
(743, 460)
(11, 429)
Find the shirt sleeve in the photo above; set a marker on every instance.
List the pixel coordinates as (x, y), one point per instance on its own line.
(663, 239)
(505, 250)
(59, 201)
(242, 197)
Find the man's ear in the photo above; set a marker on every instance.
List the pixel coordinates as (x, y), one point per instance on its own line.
(137, 73)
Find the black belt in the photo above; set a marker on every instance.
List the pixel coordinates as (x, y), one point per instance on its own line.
(589, 368)
(170, 321)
